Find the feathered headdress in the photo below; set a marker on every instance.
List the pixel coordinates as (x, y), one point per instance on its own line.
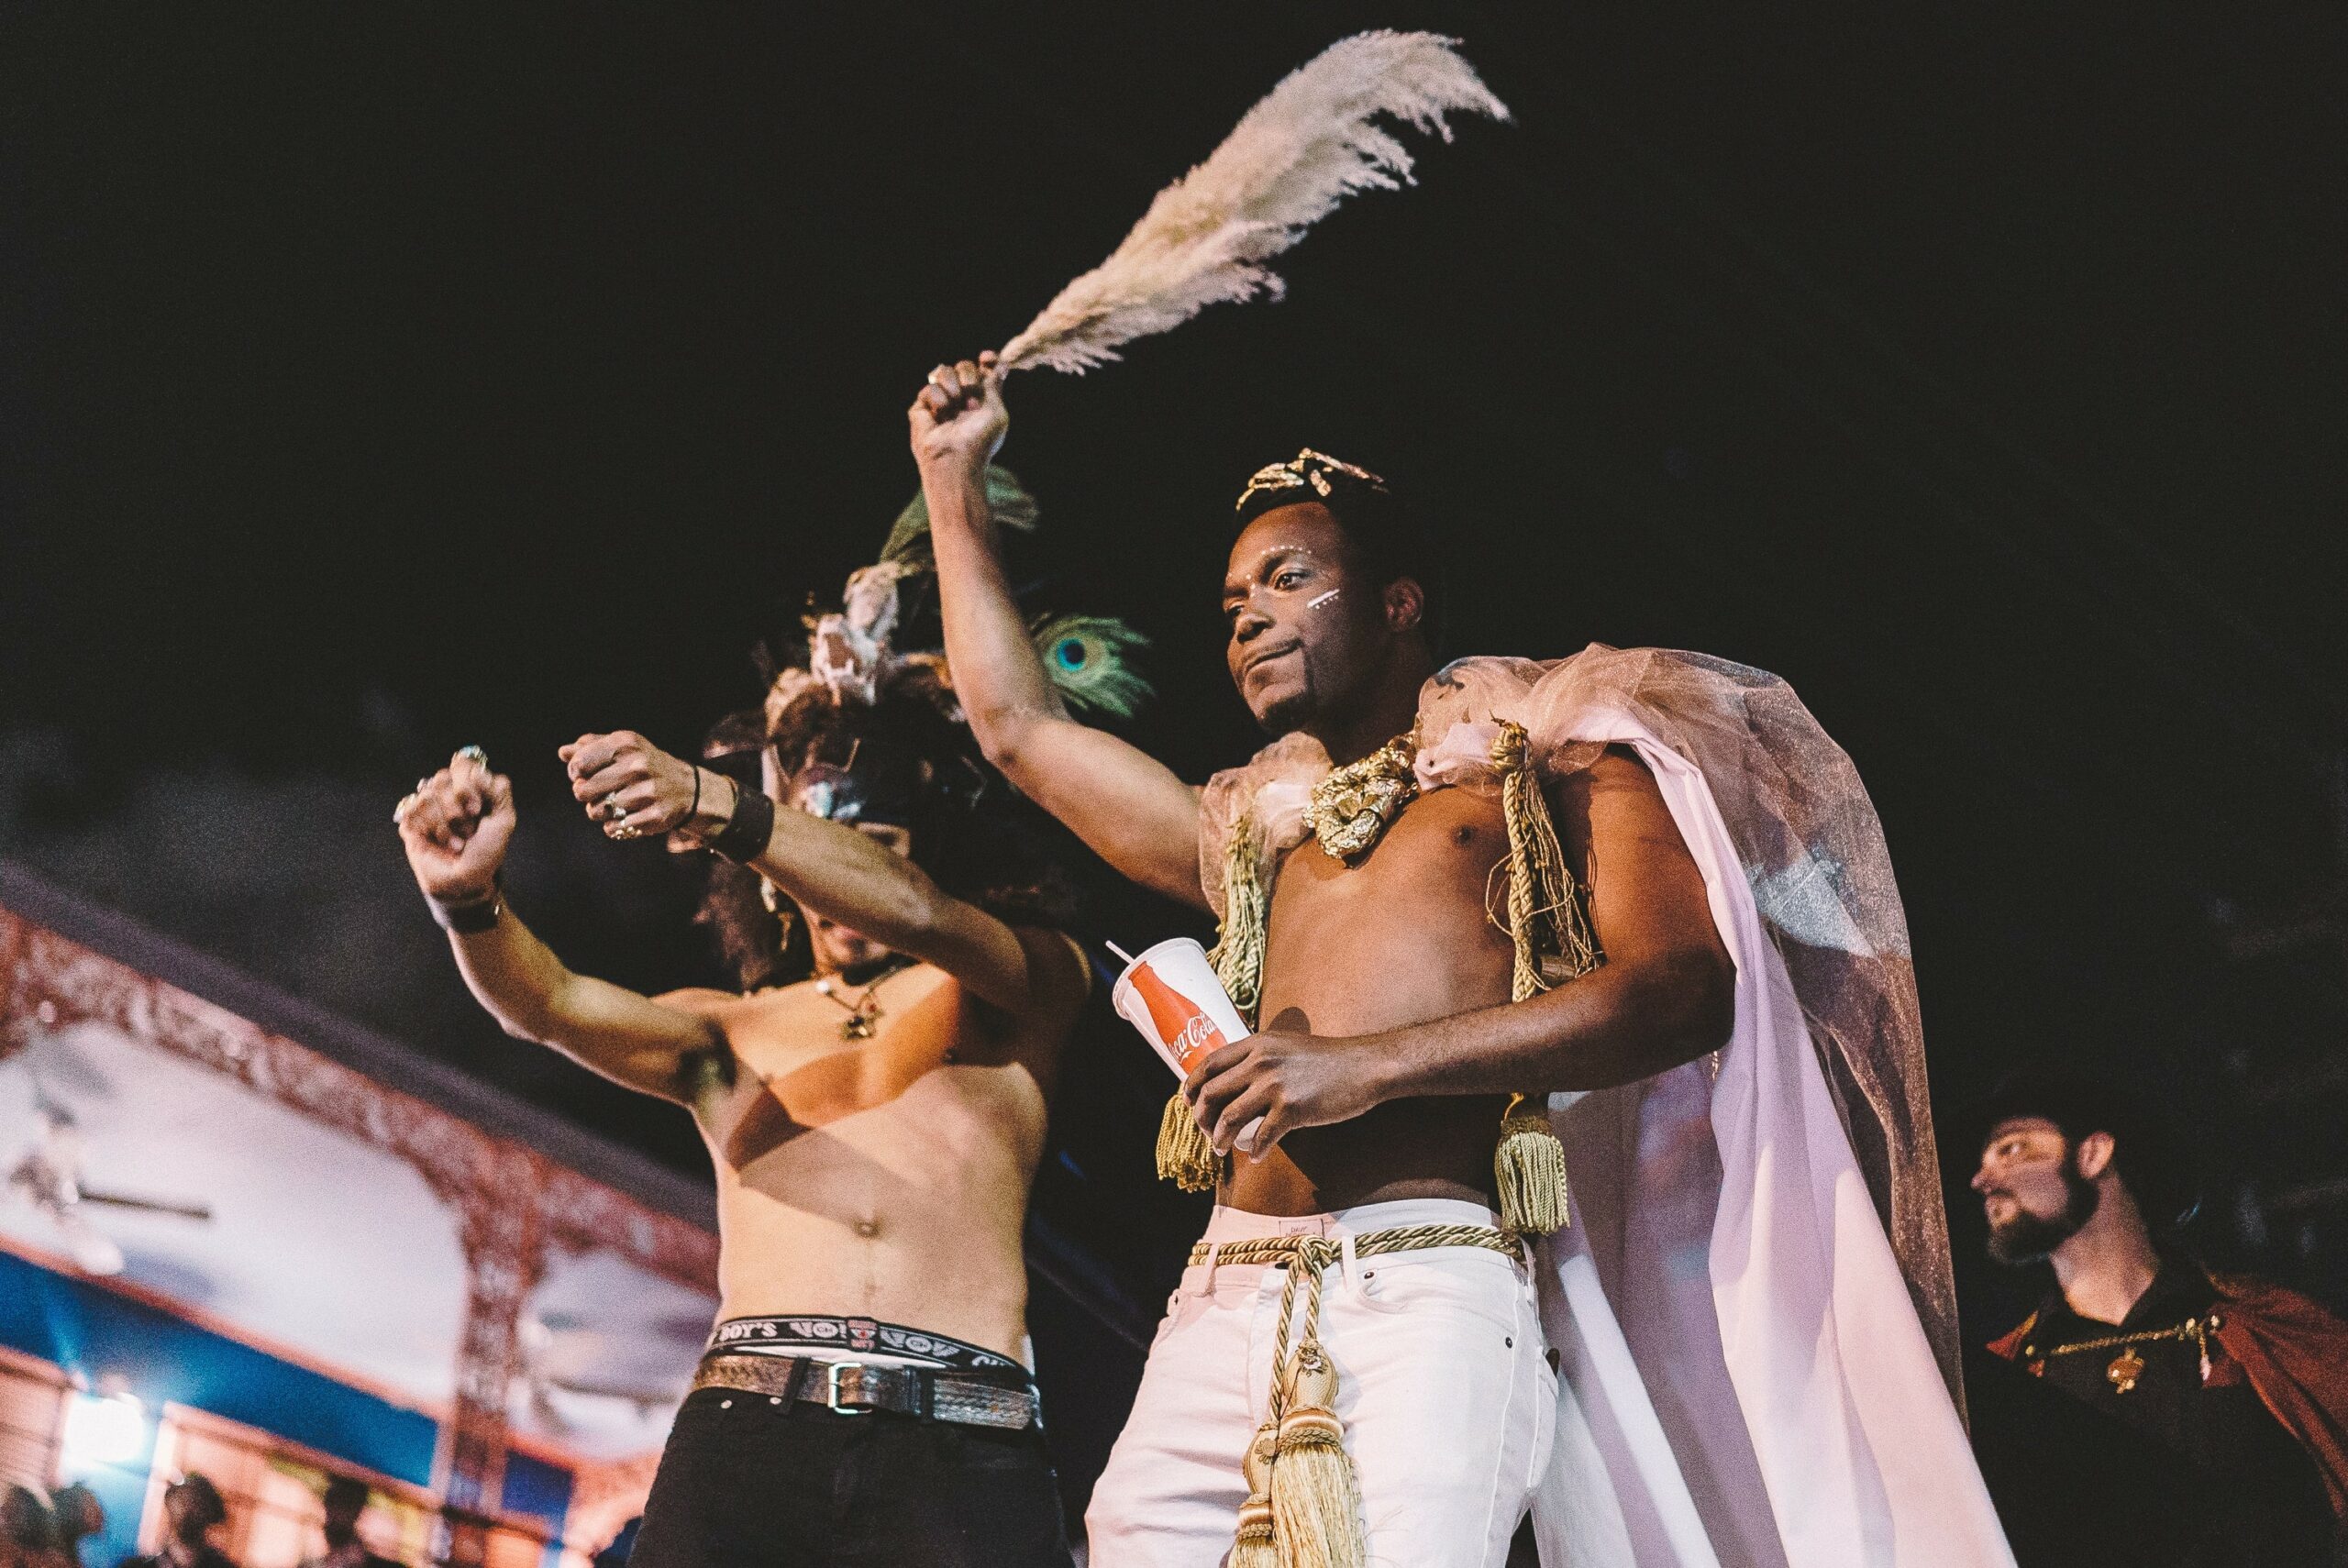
(1312, 142)
(866, 728)
(853, 655)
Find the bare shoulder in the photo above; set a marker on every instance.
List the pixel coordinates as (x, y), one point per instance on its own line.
(704, 1001)
(1614, 795)
(1620, 769)
(1061, 975)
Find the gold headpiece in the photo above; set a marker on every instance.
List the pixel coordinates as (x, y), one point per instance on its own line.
(1307, 467)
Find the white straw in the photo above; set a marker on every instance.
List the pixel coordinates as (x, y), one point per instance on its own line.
(1118, 951)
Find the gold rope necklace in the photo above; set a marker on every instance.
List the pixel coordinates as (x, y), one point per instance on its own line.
(1352, 806)
(1350, 810)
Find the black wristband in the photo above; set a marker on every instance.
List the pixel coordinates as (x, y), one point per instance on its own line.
(744, 837)
(471, 918)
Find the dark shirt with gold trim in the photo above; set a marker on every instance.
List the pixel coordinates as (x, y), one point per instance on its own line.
(2168, 1380)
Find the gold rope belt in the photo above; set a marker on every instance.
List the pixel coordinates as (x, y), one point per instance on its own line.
(1280, 1251)
(1300, 1440)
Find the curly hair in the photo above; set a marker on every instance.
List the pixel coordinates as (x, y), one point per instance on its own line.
(975, 837)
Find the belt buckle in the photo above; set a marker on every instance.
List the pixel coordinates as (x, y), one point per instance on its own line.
(832, 1370)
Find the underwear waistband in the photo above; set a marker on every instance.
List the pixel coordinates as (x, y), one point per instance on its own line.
(803, 1334)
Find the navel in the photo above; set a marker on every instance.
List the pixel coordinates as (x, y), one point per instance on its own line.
(867, 1228)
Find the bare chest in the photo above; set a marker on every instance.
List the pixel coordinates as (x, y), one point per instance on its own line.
(936, 1071)
(1404, 933)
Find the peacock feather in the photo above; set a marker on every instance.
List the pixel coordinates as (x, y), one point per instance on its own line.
(1008, 499)
(1087, 657)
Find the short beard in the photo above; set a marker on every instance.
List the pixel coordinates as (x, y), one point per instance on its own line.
(1286, 715)
(2027, 1238)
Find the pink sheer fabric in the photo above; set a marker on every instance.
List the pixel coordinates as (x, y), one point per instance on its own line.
(1807, 838)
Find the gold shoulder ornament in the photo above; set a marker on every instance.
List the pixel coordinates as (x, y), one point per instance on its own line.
(1351, 808)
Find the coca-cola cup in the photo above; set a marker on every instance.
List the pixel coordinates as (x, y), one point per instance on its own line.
(1171, 994)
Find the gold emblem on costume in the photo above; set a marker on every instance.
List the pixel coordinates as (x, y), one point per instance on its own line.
(1353, 806)
(2126, 1368)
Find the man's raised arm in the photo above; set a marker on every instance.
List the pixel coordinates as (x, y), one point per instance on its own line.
(456, 828)
(830, 869)
(1127, 805)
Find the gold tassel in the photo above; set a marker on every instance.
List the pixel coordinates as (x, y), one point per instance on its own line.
(1185, 1158)
(1542, 900)
(1316, 1500)
(1529, 1166)
(1254, 1546)
(1529, 1170)
(1238, 955)
(1184, 1155)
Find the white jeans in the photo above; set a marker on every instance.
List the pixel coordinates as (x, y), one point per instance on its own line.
(1443, 1387)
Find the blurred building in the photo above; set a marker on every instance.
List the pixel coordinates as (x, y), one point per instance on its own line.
(243, 1237)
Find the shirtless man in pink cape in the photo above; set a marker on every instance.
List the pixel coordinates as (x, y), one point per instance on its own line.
(1622, 913)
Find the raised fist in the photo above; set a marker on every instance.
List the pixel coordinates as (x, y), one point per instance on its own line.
(958, 420)
(632, 789)
(456, 828)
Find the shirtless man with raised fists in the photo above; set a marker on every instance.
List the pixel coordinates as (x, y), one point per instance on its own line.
(874, 1128)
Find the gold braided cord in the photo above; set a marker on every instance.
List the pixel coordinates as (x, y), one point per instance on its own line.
(1278, 1250)
(1303, 1501)
(1185, 1158)
(1547, 927)
(1238, 955)
(2193, 1328)
(1545, 913)
(1543, 901)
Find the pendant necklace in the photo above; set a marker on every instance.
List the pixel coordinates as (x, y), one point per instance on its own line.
(865, 1011)
(2127, 1369)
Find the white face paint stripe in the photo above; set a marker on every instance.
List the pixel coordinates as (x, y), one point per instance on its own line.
(1323, 599)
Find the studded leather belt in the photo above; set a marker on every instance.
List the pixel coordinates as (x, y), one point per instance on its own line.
(858, 1388)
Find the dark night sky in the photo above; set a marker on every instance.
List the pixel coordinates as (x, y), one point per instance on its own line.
(378, 380)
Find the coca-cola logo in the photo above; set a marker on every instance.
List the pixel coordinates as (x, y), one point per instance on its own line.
(1196, 1034)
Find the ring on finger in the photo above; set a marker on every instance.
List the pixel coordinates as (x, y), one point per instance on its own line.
(622, 831)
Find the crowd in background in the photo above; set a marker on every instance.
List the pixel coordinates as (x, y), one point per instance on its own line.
(38, 1531)
(47, 1532)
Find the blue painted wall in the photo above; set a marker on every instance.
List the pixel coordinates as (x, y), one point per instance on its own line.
(536, 1488)
(86, 1329)
(542, 1491)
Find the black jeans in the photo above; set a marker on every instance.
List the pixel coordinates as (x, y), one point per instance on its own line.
(749, 1483)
